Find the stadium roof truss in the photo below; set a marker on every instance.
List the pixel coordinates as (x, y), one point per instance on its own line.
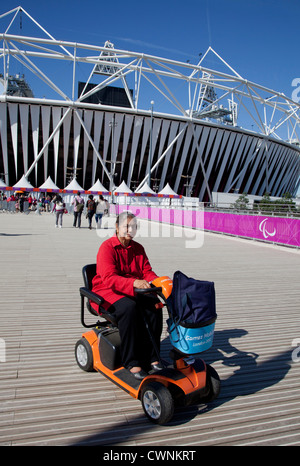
(268, 109)
(185, 91)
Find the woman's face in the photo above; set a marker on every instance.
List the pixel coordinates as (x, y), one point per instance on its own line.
(127, 229)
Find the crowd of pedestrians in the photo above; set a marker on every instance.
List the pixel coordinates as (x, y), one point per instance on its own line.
(96, 208)
(93, 208)
(22, 201)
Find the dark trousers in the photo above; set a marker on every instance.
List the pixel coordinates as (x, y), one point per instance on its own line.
(90, 215)
(136, 346)
(77, 216)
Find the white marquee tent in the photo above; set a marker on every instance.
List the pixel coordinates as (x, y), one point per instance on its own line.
(74, 186)
(98, 187)
(23, 183)
(123, 188)
(2, 184)
(168, 190)
(145, 189)
(49, 184)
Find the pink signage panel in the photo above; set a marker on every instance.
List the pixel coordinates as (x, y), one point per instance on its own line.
(272, 229)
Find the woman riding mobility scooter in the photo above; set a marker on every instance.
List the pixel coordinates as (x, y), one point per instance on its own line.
(187, 379)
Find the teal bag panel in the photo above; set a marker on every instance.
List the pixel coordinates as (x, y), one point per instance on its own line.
(190, 340)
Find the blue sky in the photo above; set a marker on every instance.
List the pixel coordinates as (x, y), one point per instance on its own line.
(258, 38)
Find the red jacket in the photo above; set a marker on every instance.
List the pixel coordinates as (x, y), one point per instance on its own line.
(117, 268)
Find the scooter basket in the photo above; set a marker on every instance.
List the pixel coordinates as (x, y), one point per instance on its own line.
(192, 314)
(189, 339)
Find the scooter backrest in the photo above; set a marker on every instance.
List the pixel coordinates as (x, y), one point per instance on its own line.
(88, 272)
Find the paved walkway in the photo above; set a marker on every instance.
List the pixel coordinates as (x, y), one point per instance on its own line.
(45, 399)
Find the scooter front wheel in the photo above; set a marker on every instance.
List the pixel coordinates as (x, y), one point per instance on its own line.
(213, 384)
(157, 402)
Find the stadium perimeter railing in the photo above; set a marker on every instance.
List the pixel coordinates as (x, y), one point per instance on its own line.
(282, 228)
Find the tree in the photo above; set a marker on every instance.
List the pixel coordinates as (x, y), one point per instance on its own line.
(265, 204)
(241, 203)
(285, 204)
(280, 206)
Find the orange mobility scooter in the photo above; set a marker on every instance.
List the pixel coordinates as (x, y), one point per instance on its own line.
(184, 381)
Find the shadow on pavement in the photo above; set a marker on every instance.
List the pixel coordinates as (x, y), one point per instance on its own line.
(248, 377)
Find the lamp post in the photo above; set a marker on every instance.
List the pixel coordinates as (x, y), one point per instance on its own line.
(187, 186)
(135, 184)
(72, 173)
(112, 175)
(112, 124)
(156, 185)
(150, 148)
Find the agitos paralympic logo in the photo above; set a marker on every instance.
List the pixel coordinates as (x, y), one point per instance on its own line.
(263, 228)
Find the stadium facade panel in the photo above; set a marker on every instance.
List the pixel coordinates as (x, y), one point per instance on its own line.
(233, 160)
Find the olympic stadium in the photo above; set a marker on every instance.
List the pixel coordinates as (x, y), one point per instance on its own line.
(98, 113)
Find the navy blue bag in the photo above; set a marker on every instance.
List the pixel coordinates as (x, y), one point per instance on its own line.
(192, 309)
(192, 301)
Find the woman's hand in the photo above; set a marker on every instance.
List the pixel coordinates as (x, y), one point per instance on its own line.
(141, 284)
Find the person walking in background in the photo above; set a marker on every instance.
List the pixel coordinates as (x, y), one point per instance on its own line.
(106, 211)
(30, 202)
(47, 203)
(91, 209)
(100, 209)
(59, 207)
(78, 203)
(21, 202)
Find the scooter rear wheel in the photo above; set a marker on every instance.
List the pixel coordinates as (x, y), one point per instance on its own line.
(84, 355)
(157, 402)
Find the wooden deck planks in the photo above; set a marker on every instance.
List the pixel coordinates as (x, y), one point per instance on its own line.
(45, 399)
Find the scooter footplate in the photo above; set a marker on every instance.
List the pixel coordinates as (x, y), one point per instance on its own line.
(125, 376)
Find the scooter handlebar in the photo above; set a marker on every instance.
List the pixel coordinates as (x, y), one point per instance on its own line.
(155, 289)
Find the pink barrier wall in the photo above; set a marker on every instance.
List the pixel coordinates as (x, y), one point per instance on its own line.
(271, 229)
